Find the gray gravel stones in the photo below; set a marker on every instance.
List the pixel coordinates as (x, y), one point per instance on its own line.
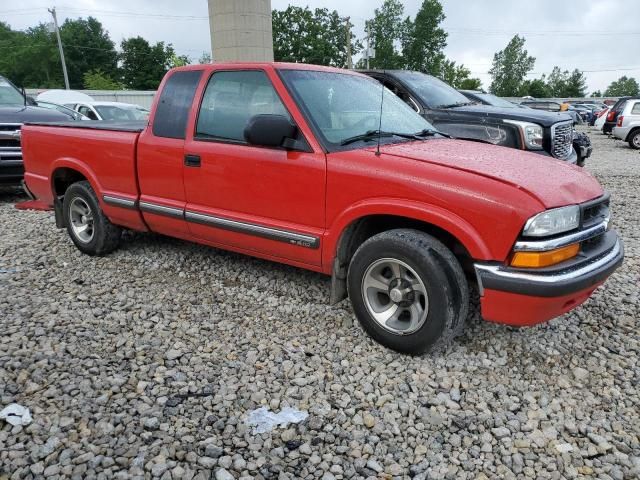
(145, 363)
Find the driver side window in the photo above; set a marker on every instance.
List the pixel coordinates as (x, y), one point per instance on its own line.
(231, 99)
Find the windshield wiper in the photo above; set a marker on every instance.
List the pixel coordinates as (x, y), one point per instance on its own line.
(457, 104)
(372, 135)
(430, 132)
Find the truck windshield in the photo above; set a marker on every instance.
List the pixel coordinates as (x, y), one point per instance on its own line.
(344, 106)
(433, 92)
(9, 96)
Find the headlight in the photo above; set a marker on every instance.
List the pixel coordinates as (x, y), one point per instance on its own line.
(553, 222)
(532, 134)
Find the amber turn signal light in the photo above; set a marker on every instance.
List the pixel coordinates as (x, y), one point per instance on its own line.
(544, 259)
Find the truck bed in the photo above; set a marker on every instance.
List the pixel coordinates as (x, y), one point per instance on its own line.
(103, 152)
(128, 126)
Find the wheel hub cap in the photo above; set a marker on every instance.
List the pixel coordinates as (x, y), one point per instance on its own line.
(395, 297)
(81, 218)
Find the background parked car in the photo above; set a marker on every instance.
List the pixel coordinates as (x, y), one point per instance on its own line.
(17, 108)
(63, 97)
(111, 111)
(612, 116)
(550, 106)
(453, 113)
(484, 98)
(628, 123)
(62, 109)
(601, 119)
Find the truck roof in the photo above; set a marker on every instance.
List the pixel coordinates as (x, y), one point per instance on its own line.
(262, 65)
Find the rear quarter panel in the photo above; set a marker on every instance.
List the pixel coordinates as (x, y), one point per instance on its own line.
(106, 158)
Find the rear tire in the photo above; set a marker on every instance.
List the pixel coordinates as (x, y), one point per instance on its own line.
(89, 228)
(634, 140)
(408, 291)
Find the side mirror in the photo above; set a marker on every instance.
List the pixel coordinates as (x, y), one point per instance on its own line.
(31, 101)
(270, 131)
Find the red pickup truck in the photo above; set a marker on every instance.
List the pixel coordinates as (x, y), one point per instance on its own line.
(322, 169)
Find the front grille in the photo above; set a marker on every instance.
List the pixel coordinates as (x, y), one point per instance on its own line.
(10, 142)
(562, 140)
(595, 211)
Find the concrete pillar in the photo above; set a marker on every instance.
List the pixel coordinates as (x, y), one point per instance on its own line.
(241, 30)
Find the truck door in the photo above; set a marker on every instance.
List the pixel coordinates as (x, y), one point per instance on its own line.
(268, 201)
(161, 155)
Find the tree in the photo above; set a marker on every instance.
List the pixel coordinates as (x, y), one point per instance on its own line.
(204, 58)
(596, 94)
(576, 84)
(471, 84)
(30, 58)
(537, 88)
(143, 65)
(423, 41)
(98, 80)
(510, 67)
(622, 87)
(458, 76)
(565, 84)
(311, 36)
(387, 29)
(87, 47)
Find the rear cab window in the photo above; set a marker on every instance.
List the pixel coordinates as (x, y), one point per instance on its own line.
(174, 105)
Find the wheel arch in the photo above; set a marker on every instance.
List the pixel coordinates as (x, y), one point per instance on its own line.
(455, 233)
(632, 132)
(64, 173)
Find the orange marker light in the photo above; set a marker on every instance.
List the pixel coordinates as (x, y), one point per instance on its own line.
(544, 259)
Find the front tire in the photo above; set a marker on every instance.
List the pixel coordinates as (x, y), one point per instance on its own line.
(408, 291)
(634, 140)
(89, 228)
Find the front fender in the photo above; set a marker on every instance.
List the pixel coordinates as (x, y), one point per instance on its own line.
(466, 234)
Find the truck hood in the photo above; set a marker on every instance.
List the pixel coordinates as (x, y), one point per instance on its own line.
(552, 182)
(546, 119)
(23, 114)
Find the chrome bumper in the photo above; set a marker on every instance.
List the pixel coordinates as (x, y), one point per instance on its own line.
(551, 282)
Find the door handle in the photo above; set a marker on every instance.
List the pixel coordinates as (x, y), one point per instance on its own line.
(192, 160)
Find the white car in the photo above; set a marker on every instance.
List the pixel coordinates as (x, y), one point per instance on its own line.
(599, 123)
(628, 126)
(112, 111)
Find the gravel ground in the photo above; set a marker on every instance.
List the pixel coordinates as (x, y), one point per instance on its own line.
(146, 363)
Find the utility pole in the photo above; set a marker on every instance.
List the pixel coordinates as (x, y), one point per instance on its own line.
(368, 45)
(52, 11)
(348, 29)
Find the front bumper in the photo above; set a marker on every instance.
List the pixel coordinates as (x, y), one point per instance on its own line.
(526, 296)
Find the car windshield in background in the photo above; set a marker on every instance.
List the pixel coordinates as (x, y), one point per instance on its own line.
(495, 101)
(109, 112)
(343, 106)
(435, 93)
(9, 96)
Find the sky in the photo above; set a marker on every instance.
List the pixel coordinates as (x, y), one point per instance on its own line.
(599, 37)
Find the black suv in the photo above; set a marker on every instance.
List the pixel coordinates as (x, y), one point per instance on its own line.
(453, 113)
(15, 109)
